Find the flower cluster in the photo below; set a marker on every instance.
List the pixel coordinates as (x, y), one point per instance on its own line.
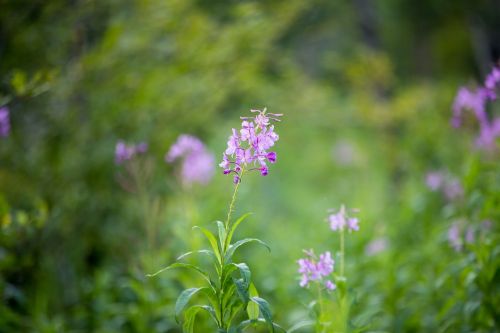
(4, 122)
(340, 220)
(124, 152)
(247, 149)
(448, 185)
(460, 233)
(476, 101)
(197, 162)
(312, 269)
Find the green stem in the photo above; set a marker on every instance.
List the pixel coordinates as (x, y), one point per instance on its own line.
(342, 252)
(231, 205)
(320, 301)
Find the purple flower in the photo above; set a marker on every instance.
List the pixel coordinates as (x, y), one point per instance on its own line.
(488, 134)
(141, 148)
(376, 246)
(247, 149)
(476, 101)
(185, 145)
(492, 80)
(444, 182)
(469, 100)
(453, 189)
(197, 163)
(330, 285)
(124, 152)
(434, 180)
(340, 220)
(454, 237)
(4, 122)
(470, 235)
(312, 269)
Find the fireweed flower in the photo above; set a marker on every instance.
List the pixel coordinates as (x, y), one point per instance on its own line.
(312, 269)
(376, 246)
(248, 148)
(341, 220)
(434, 180)
(4, 122)
(442, 181)
(124, 152)
(476, 102)
(197, 162)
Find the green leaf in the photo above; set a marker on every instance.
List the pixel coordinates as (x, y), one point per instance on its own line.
(242, 290)
(252, 308)
(301, 324)
(244, 271)
(246, 323)
(213, 242)
(234, 226)
(232, 248)
(222, 234)
(228, 293)
(190, 315)
(183, 300)
(234, 310)
(205, 252)
(264, 309)
(185, 265)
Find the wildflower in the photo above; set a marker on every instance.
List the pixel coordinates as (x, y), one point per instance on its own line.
(449, 186)
(453, 189)
(341, 220)
(454, 237)
(312, 269)
(247, 149)
(434, 180)
(376, 246)
(470, 235)
(4, 122)
(184, 145)
(469, 100)
(124, 152)
(197, 163)
(476, 101)
(492, 80)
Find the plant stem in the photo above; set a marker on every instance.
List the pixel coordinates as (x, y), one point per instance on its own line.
(320, 301)
(342, 253)
(231, 205)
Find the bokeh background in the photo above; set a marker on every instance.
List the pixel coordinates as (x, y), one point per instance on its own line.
(366, 90)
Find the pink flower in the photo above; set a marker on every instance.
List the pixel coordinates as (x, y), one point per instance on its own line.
(248, 148)
(340, 220)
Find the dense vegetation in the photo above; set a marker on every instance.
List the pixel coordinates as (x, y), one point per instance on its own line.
(366, 90)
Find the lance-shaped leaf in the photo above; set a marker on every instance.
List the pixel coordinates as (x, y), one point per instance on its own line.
(244, 324)
(188, 266)
(232, 229)
(242, 290)
(264, 309)
(301, 324)
(205, 252)
(212, 240)
(233, 247)
(190, 316)
(222, 234)
(183, 300)
(252, 307)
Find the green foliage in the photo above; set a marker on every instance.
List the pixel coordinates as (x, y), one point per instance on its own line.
(366, 88)
(232, 294)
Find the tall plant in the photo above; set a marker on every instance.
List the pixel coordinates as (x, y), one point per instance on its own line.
(231, 298)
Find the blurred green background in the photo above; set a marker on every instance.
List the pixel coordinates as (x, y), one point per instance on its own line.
(366, 90)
